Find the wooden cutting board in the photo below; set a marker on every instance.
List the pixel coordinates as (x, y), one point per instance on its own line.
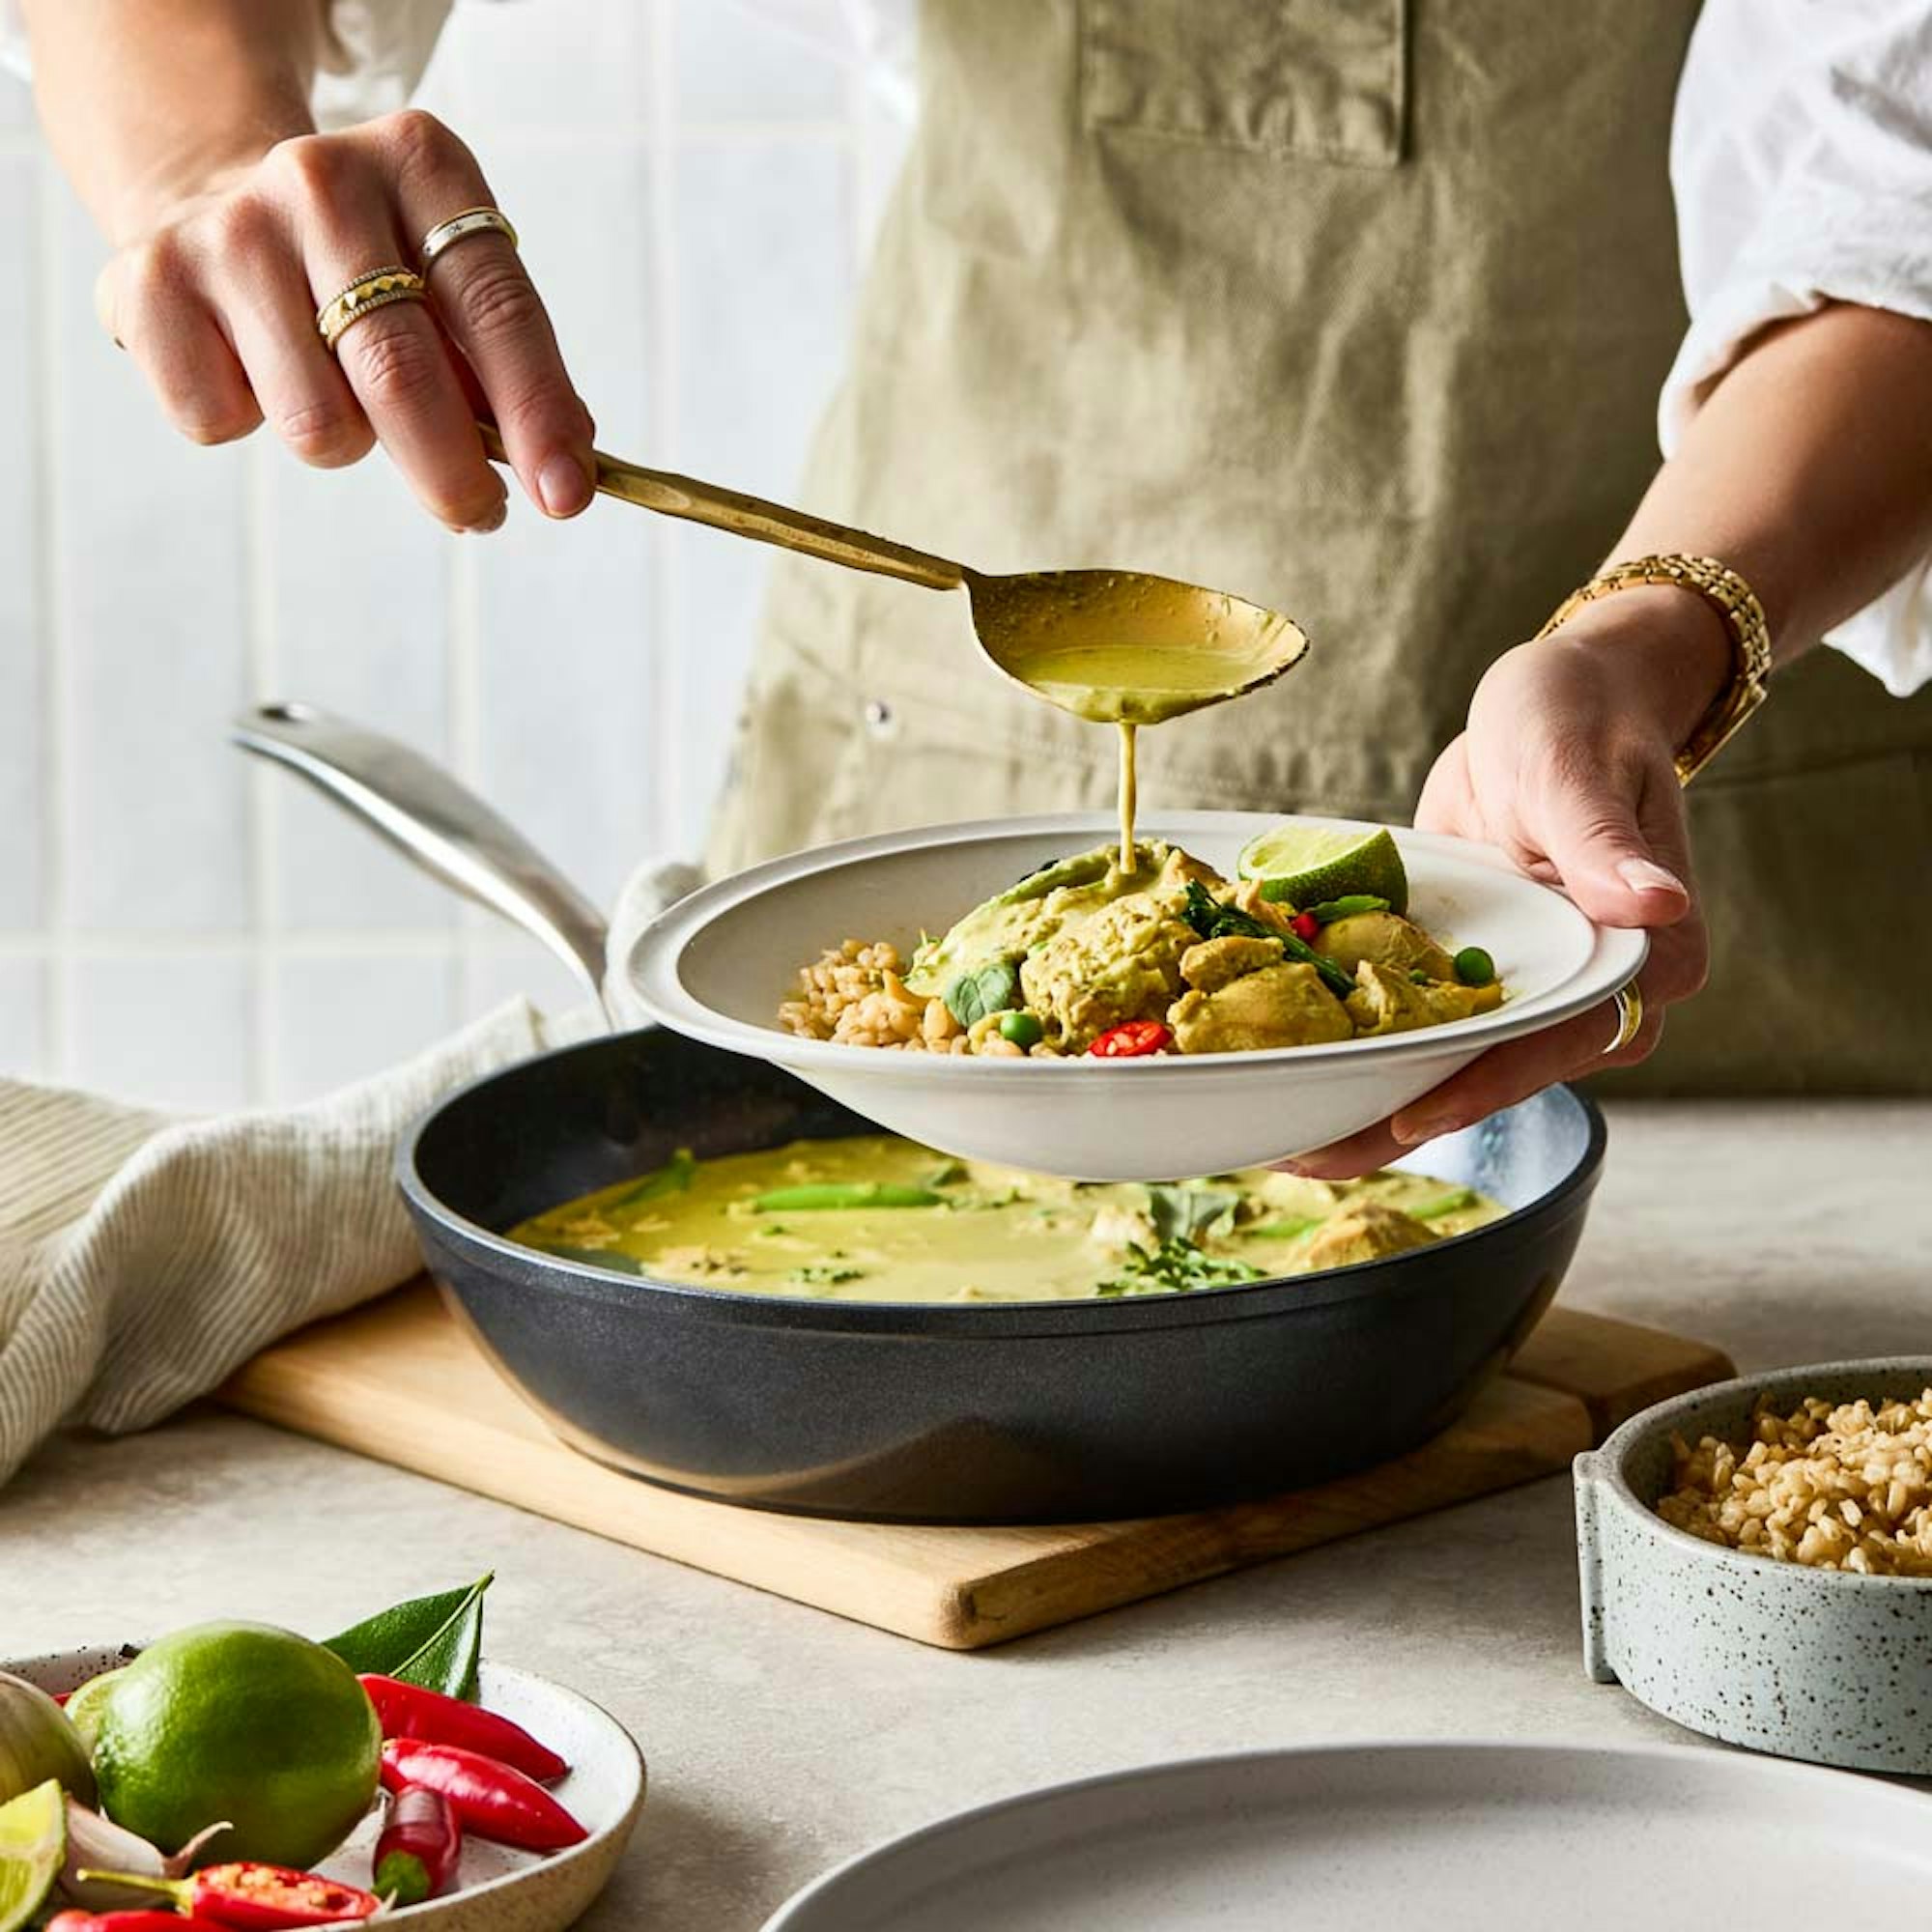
(400, 1380)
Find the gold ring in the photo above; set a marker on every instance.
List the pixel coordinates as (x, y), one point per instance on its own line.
(1629, 1003)
(460, 227)
(364, 295)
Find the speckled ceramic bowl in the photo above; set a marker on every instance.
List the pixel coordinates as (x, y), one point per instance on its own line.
(1820, 1664)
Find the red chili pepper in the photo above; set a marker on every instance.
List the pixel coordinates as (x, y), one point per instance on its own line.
(1130, 1041)
(421, 1842)
(146, 1919)
(408, 1711)
(495, 1801)
(249, 1897)
(1305, 926)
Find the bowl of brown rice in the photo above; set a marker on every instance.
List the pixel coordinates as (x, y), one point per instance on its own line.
(1756, 1562)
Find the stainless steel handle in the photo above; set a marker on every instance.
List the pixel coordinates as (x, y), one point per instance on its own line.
(443, 828)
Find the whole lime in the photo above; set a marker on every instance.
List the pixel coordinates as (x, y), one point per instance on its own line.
(244, 1723)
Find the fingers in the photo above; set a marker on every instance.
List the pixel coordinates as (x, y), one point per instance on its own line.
(394, 359)
(492, 310)
(263, 293)
(150, 299)
(1589, 820)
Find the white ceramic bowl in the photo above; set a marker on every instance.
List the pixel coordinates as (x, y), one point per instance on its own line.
(499, 1889)
(717, 965)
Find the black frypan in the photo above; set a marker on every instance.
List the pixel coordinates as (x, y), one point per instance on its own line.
(914, 1412)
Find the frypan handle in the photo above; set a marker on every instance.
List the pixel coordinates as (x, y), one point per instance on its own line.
(445, 829)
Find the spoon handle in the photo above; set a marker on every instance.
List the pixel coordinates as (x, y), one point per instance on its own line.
(753, 517)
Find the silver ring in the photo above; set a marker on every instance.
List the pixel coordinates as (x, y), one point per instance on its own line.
(1629, 1003)
(446, 235)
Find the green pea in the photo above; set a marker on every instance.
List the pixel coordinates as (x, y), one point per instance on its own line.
(1023, 1029)
(1474, 967)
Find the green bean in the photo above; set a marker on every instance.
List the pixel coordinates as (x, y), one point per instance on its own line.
(830, 1194)
(1348, 906)
(1281, 1231)
(1452, 1203)
(673, 1177)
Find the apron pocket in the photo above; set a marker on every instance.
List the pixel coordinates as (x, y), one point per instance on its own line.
(1320, 79)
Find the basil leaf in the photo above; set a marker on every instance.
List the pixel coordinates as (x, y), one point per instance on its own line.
(1350, 905)
(1186, 1214)
(432, 1641)
(991, 989)
(673, 1177)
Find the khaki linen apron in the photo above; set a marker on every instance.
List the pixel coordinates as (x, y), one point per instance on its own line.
(1360, 309)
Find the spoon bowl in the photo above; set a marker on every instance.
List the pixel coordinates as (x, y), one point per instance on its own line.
(1120, 647)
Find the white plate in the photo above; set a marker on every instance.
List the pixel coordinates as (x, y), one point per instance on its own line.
(1456, 1837)
(499, 1888)
(717, 965)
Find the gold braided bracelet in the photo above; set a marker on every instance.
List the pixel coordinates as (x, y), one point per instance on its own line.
(1719, 585)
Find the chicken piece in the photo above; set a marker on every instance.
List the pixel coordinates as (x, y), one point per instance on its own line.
(1281, 1005)
(1214, 962)
(1368, 1232)
(1123, 963)
(1387, 939)
(1391, 1002)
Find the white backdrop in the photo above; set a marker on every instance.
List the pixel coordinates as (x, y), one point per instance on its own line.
(694, 189)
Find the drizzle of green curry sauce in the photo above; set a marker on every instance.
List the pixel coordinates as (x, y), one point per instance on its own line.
(991, 1234)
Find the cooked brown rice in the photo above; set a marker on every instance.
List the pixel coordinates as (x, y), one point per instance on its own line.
(1844, 1487)
(855, 995)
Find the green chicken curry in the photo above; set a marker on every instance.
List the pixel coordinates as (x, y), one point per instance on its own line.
(876, 1218)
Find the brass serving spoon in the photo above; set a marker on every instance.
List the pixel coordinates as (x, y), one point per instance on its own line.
(1113, 646)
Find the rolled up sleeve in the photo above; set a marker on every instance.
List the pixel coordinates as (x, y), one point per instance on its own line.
(1802, 165)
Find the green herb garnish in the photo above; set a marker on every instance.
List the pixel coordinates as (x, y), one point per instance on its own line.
(987, 989)
(1182, 1214)
(823, 1274)
(1174, 1266)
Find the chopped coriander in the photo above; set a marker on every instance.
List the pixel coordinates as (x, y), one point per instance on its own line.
(1174, 1266)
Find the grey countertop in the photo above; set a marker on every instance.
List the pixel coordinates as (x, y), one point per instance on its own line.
(782, 1740)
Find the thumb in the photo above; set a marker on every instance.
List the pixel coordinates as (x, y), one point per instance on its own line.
(1592, 833)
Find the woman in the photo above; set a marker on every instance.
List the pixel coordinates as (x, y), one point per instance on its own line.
(1359, 309)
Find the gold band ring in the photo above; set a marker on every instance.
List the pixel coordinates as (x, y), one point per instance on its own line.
(364, 295)
(447, 235)
(1629, 1003)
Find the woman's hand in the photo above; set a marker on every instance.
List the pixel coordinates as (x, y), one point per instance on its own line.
(1567, 765)
(216, 301)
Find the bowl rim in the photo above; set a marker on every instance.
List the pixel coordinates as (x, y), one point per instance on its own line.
(651, 967)
(1010, 1320)
(1602, 1468)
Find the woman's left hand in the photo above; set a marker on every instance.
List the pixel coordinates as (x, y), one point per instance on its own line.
(1567, 764)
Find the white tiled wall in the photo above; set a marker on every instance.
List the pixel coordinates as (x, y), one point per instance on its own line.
(694, 189)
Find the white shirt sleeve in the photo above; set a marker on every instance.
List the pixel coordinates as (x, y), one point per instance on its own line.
(1801, 158)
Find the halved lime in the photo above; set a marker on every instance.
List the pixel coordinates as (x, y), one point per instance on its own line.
(1306, 864)
(33, 1848)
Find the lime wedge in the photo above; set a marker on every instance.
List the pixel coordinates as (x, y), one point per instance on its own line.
(1305, 865)
(33, 1848)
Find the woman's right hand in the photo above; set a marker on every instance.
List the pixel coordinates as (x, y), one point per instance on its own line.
(216, 301)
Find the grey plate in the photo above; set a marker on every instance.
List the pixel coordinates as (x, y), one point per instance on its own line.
(1483, 1836)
